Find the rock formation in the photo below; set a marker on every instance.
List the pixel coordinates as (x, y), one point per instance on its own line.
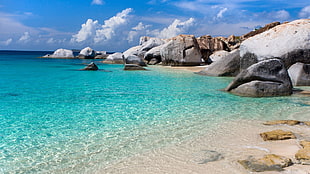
(61, 53)
(217, 55)
(277, 135)
(227, 66)
(133, 67)
(91, 67)
(266, 78)
(260, 30)
(87, 53)
(300, 74)
(132, 59)
(116, 58)
(181, 50)
(208, 45)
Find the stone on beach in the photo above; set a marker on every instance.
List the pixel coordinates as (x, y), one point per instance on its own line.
(303, 155)
(61, 53)
(263, 79)
(288, 122)
(206, 156)
(277, 135)
(182, 50)
(270, 162)
(91, 67)
(300, 74)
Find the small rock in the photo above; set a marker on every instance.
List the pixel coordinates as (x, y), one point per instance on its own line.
(269, 162)
(133, 67)
(206, 156)
(91, 67)
(305, 144)
(303, 155)
(277, 135)
(306, 123)
(288, 122)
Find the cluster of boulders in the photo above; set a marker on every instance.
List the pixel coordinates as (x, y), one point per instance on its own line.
(273, 162)
(86, 53)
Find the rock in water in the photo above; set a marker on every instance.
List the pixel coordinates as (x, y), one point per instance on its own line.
(269, 162)
(300, 74)
(181, 50)
(266, 78)
(87, 53)
(91, 67)
(206, 156)
(133, 67)
(115, 58)
(61, 53)
(289, 42)
(227, 66)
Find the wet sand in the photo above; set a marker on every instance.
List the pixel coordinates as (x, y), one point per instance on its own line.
(234, 141)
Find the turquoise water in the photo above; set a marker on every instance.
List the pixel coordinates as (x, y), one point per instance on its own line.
(56, 119)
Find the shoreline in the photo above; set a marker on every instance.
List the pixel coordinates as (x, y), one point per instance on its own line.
(233, 140)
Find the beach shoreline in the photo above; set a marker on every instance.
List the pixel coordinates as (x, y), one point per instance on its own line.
(232, 140)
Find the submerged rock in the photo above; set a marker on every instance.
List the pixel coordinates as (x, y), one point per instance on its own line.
(270, 162)
(134, 60)
(266, 78)
(277, 135)
(91, 67)
(206, 156)
(300, 74)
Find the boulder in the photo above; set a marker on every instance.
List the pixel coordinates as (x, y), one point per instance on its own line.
(227, 66)
(133, 51)
(134, 60)
(287, 122)
(303, 155)
(289, 42)
(270, 162)
(152, 54)
(263, 79)
(115, 58)
(208, 45)
(91, 67)
(151, 43)
(260, 30)
(181, 50)
(218, 55)
(135, 67)
(277, 135)
(61, 53)
(300, 74)
(87, 53)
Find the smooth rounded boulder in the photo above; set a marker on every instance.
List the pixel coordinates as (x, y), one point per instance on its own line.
(264, 79)
(87, 53)
(115, 58)
(300, 74)
(61, 53)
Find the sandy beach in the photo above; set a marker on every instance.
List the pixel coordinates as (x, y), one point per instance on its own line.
(234, 140)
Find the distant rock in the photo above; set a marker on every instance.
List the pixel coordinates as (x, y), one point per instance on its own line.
(61, 53)
(181, 50)
(289, 42)
(87, 53)
(133, 67)
(116, 58)
(266, 78)
(151, 43)
(91, 67)
(229, 65)
(277, 135)
(270, 162)
(300, 74)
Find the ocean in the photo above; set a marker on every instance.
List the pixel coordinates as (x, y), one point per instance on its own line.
(55, 118)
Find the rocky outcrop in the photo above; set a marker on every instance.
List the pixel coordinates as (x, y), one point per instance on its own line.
(133, 67)
(132, 59)
(61, 53)
(116, 58)
(303, 155)
(300, 74)
(87, 53)
(287, 122)
(270, 162)
(277, 135)
(218, 55)
(208, 45)
(289, 42)
(266, 78)
(181, 50)
(133, 51)
(260, 30)
(91, 67)
(227, 66)
(153, 56)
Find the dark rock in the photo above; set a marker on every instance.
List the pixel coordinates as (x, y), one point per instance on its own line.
(152, 54)
(87, 53)
(266, 78)
(135, 67)
(91, 67)
(227, 66)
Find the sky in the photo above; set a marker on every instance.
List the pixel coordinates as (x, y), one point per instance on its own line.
(116, 25)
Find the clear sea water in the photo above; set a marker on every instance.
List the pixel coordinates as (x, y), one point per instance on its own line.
(57, 119)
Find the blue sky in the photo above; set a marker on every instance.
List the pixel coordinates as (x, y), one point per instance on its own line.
(115, 25)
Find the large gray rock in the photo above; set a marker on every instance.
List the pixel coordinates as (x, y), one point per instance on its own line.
(61, 53)
(134, 60)
(227, 66)
(133, 67)
(208, 45)
(133, 51)
(300, 74)
(289, 42)
(181, 50)
(116, 58)
(151, 43)
(87, 53)
(218, 55)
(266, 78)
(153, 54)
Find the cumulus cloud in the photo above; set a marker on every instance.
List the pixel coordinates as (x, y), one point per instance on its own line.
(87, 32)
(176, 28)
(305, 12)
(25, 37)
(97, 2)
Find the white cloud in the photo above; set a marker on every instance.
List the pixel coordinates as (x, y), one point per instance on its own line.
(110, 26)
(87, 32)
(6, 42)
(222, 11)
(50, 41)
(176, 28)
(140, 29)
(97, 2)
(25, 37)
(305, 12)
(282, 15)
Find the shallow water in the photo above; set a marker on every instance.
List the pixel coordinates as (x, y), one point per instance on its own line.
(56, 119)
